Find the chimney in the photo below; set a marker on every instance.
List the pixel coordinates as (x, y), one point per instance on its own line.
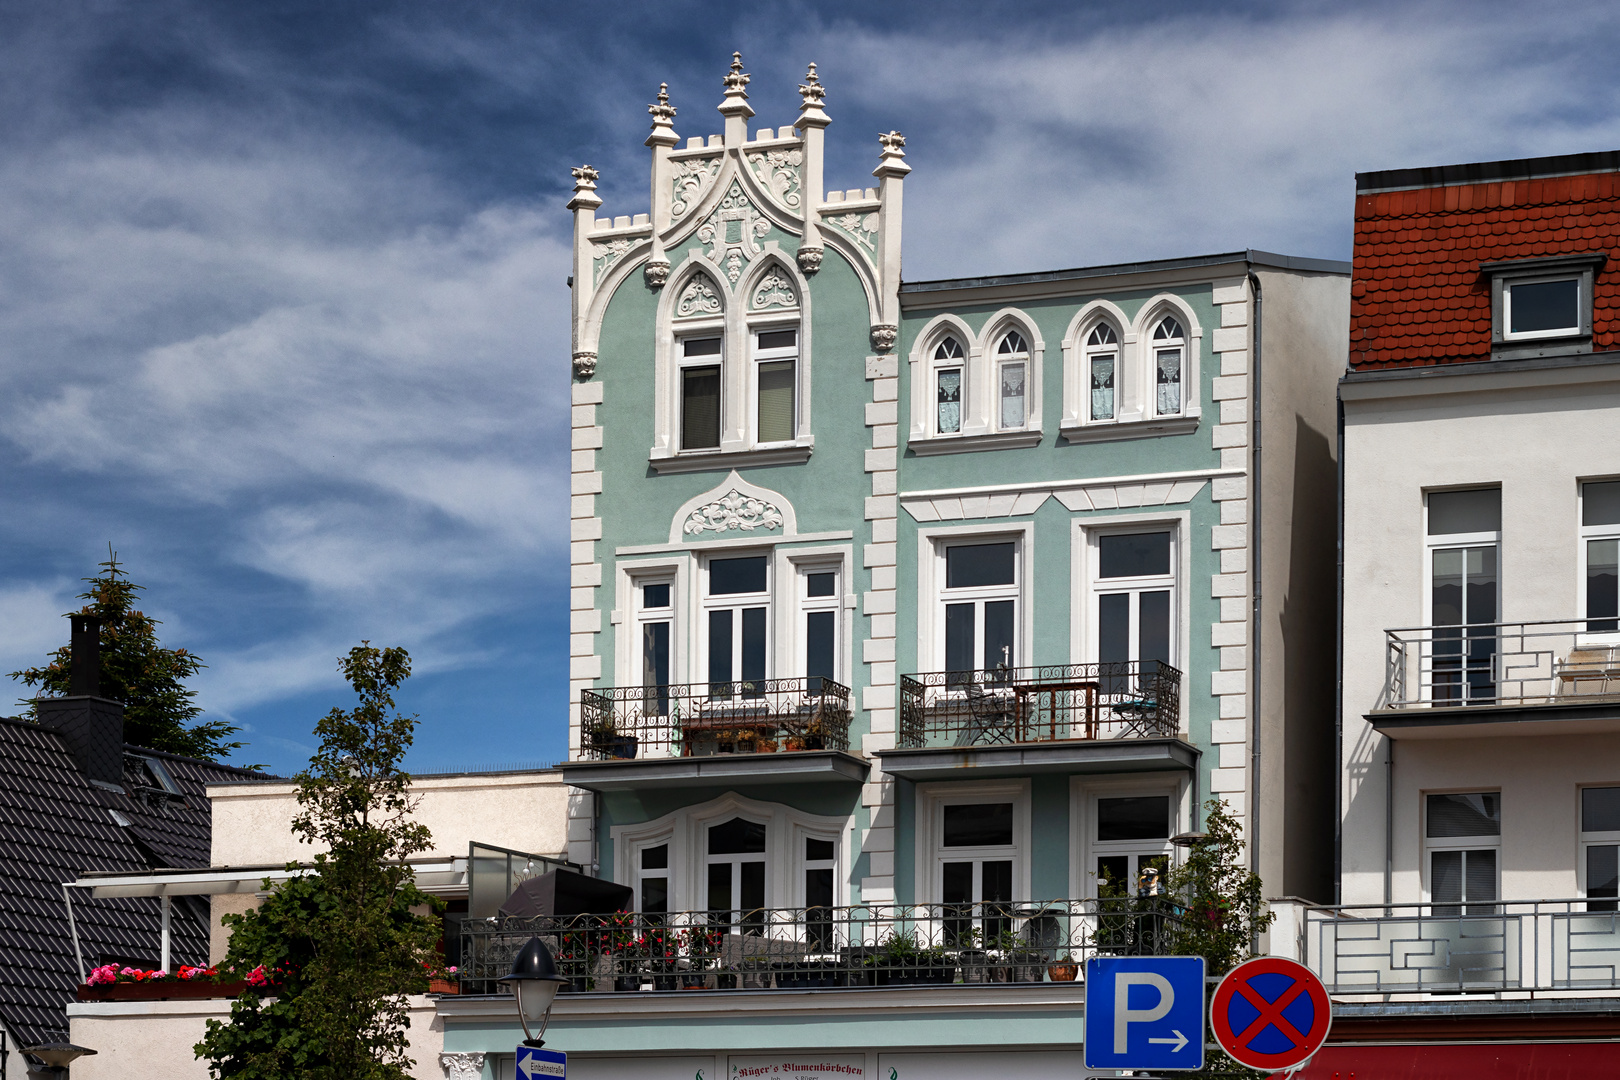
(92, 726)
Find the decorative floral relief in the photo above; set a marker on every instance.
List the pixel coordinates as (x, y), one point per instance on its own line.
(733, 510)
(733, 232)
(863, 227)
(688, 183)
(698, 298)
(774, 290)
(462, 1066)
(778, 170)
(603, 256)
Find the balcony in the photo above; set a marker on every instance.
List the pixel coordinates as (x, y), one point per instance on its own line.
(823, 948)
(1550, 677)
(691, 734)
(1112, 717)
(1414, 950)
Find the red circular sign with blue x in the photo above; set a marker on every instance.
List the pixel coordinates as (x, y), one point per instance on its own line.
(1271, 1013)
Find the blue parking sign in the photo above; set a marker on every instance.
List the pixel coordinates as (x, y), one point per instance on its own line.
(532, 1061)
(1145, 1012)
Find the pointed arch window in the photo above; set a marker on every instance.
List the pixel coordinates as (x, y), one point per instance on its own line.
(1102, 368)
(1012, 379)
(949, 365)
(1169, 364)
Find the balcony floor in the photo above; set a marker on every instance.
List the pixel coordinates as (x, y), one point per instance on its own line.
(1025, 759)
(788, 767)
(1556, 717)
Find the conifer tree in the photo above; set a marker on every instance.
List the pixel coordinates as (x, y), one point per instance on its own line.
(159, 708)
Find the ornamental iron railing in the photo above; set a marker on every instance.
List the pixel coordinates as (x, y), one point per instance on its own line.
(760, 716)
(1524, 945)
(1007, 706)
(823, 947)
(1557, 662)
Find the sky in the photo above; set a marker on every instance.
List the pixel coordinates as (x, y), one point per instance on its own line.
(283, 314)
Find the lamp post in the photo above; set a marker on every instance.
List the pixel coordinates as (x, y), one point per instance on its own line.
(535, 983)
(57, 1056)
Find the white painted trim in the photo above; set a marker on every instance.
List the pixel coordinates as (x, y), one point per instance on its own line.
(1065, 485)
(921, 378)
(746, 541)
(929, 656)
(735, 482)
(927, 850)
(1081, 630)
(1084, 789)
(681, 566)
(1076, 407)
(1192, 388)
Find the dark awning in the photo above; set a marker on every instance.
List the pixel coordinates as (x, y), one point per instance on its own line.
(563, 892)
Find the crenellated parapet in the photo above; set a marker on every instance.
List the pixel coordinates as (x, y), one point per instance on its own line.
(721, 200)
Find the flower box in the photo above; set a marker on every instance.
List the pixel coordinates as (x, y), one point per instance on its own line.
(162, 990)
(443, 986)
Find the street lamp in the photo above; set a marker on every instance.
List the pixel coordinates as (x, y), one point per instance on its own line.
(535, 983)
(57, 1056)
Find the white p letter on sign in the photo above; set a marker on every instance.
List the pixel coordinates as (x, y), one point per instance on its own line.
(1124, 1016)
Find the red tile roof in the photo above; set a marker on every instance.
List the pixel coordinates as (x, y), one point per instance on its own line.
(1416, 294)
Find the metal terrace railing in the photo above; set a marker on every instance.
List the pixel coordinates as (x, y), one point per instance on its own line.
(1526, 945)
(824, 947)
(760, 716)
(1135, 699)
(1570, 661)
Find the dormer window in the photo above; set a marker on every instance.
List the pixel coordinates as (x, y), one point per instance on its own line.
(948, 367)
(1102, 365)
(1540, 307)
(1012, 370)
(1169, 348)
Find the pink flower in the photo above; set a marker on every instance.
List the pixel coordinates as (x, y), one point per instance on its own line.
(103, 975)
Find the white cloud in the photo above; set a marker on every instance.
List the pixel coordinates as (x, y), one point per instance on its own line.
(31, 628)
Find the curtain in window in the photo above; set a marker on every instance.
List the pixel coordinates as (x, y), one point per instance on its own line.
(1169, 381)
(1012, 395)
(1102, 387)
(950, 401)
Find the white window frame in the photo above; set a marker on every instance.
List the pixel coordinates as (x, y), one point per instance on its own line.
(931, 544)
(980, 427)
(931, 851)
(1017, 358)
(800, 833)
(635, 875)
(694, 330)
(938, 365)
(1447, 541)
(1154, 348)
(1591, 838)
(687, 829)
(735, 861)
(1458, 843)
(1083, 630)
(626, 623)
(802, 566)
(1134, 587)
(756, 357)
(1135, 386)
(736, 602)
(1583, 301)
(1083, 795)
(1089, 352)
(1585, 533)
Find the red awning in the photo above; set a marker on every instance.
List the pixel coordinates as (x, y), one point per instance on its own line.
(1465, 1061)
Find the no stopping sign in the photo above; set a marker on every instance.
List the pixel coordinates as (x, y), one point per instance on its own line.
(1270, 1013)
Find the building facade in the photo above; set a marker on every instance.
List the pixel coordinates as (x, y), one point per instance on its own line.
(1480, 749)
(917, 615)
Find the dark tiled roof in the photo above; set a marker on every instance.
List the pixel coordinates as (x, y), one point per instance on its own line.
(54, 825)
(1417, 296)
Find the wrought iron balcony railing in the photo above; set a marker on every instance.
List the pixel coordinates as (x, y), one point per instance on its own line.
(824, 947)
(761, 716)
(1135, 699)
(1525, 945)
(1518, 664)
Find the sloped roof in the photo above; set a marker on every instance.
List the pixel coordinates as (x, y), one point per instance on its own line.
(1417, 296)
(55, 824)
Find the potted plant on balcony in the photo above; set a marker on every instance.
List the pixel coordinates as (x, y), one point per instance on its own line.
(1063, 969)
(701, 943)
(902, 961)
(605, 738)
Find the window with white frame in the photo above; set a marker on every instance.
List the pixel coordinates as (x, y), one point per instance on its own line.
(1169, 345)
(655, 611)
(976, 862)
(1542, 306)
(1463, 532)
(979, 616)
(820, 608)
(736, 608)
(1463, 837)
(1102, 371)
(1600, 848)
(1135, 595)
(776, 383)
(1012, 377)
(1130, 843)
(734, 870)
(651, 869)
(949, 369)
(1600, 542)
(819, 864)
(700, 369)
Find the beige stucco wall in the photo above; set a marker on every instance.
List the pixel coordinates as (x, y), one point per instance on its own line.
(152, 1040)
(1537, 434)
(525, 811)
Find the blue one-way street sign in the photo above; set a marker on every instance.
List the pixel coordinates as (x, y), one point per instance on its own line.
(532, 1062)
(1145, 1012)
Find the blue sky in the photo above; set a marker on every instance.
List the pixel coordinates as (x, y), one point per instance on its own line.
(282, 303)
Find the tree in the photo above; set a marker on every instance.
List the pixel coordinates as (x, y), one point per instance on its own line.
(1220, 909)
(343, 945)
(138, 671)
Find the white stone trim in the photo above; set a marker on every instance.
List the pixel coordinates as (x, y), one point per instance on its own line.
(879, 695)
(585, 573)
(776, 501)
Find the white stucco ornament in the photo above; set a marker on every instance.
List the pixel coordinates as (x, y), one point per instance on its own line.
(733, 511)
(462, 1066)
(584, 365)
(773, 290)
(698, 298)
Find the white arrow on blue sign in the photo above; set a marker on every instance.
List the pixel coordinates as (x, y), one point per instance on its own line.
(534, 1061)
(1145, 1012)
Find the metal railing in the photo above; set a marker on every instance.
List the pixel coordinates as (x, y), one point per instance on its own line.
(1526, 945)
(1135, 699)
(823, 947)
(760, 716)
(1567, 661)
